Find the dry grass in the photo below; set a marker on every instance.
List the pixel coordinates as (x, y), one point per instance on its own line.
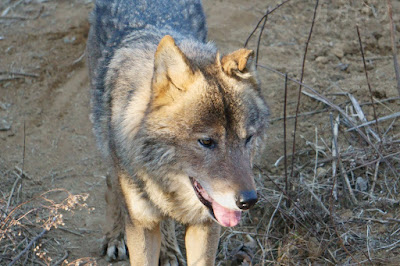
(26, 224)
(340, 204)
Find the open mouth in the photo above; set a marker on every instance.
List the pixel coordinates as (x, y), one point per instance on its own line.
(224, 216)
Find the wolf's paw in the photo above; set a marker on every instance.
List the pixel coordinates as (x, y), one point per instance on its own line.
(169, 259)
(114, 248)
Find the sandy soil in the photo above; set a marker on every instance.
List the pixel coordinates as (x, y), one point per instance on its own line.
(49, 104)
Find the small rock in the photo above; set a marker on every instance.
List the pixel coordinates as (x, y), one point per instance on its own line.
(384, 43)
(336, 77)
(69, 39)
(322, 59)
(338, 51)
(242, 258)
(4, 125)
(349, 47)
(366, 10)
(380, 93)
(314, 247)
(321, 172)
(361, 184)
(251, 243)
(244, 255)
(377, 35)
(4, 106)
(342, 66)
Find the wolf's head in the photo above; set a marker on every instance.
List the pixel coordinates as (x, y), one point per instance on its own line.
(211, 120)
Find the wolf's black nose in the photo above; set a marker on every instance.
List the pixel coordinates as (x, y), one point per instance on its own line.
(246, 199)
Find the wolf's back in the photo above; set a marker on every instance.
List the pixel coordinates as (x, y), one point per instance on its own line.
(120, 17)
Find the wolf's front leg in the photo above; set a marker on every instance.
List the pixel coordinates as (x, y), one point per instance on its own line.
(143, 243)
(170, 254)
(201, 242)
(114, 248)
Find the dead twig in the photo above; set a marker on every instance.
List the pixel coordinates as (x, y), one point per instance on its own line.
(44, 231)
(12, 192)
(272, 217)
(261, 19)
(391, 246)
(371, 191)
(60, 261)
(22, 173)
(372, 122)
(387, 221)
(316, 97)
(361, 115)
(300, 86)
(323, 99)
(260, 35)
(394, 49)
(335, 131)
(24, 18)
(23, 153)
(368, 83)
(300, 115)
(316, 159)
(16, 73)
(11, 78)
(284, 142)
(317, 199)
(368, 242)
(331, 207)
(294, 203)
(374, 161)
(79, 58)
(71, 231)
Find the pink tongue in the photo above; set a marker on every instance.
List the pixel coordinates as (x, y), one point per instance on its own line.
(224, 216)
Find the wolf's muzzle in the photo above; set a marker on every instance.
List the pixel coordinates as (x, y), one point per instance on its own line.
(246, 199)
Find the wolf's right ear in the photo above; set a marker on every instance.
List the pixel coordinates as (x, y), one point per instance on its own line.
(171, 67)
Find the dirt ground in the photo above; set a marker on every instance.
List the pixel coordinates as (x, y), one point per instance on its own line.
(45, 129)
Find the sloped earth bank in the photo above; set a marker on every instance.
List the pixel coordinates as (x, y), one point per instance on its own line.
(44, 102)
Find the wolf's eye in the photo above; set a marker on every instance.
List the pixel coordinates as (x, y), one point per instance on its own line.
(208, 143)
(248, 139)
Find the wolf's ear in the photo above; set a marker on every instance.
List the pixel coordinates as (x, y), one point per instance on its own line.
(235, 63)
(170, 66)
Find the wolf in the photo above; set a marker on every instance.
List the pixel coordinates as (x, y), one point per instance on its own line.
(179, 124)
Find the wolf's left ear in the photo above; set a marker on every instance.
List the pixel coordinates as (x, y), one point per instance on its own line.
(235, 63)
(170, 66)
